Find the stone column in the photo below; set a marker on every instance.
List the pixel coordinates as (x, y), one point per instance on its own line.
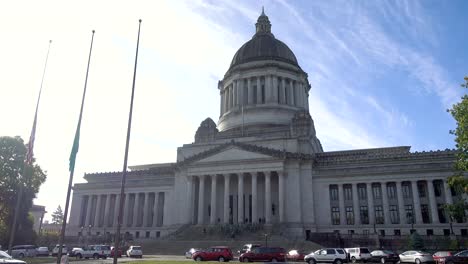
(225, 100)
(401, 203)
(283, 91)
(306, 97)
(291, 92)
(155, 209)
(126, 214)
(357, 215)
(213, 200)
(448, 193)
(106, 211)
(268, 197)
(250, 92)
(386, 208)
(275, 89)
(97, 215)
(135, 209)
(416, 203)
(240, 92)
(201, 200)
(226, 198)
(341, 204)
(240, 198)
(254, 198)
(88, 210)
(281, 199)
(268, 90)
(432, 202)
(259, 90)
(116, 210)
(370, 203)
(145, 210)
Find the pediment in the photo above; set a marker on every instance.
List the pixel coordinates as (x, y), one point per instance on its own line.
(234, 154)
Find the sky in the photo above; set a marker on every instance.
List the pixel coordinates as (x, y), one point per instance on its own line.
(382, 73)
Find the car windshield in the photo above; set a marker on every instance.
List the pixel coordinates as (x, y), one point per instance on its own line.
(364, 250)
(388, 252)
(136, 248)
(4, 255)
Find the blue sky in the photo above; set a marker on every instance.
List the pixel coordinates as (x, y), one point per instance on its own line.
(382, 73)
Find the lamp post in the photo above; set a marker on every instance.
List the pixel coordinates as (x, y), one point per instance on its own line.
(266, 240)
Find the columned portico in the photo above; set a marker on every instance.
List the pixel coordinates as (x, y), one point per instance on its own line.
(201, 199)
(213, 199)
(240, 198)
(227, 179)
(268, 197)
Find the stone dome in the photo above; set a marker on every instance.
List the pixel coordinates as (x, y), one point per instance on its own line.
(264, 46)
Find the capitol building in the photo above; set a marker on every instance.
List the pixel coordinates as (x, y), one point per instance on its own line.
(261, 162)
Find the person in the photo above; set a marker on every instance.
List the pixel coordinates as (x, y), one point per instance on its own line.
(64, 259)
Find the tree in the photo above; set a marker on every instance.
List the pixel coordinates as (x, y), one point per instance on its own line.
(459, 182)
(13, 174)
(57, 216)
(415, 242)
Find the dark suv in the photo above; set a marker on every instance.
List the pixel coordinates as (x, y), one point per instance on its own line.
(273, 254)
(220, 254)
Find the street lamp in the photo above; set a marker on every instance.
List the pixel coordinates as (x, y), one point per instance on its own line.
(266, 240)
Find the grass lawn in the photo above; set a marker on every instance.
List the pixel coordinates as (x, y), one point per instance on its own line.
(38, 260)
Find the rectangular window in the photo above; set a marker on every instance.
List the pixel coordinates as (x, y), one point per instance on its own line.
(409, 214)
(335, 215)
(362, 192)
(441, 213)
(394, 214)
(397, 232)
(351, 232)
(391, 191)
(437, 188)
(422, 189)
(379, 217)
(446, 232)
(425, 213)
(377, 192)
(349, 215)
(348, 193)
(333, 192)
(429, 232)
(406, 188)
(364, 213)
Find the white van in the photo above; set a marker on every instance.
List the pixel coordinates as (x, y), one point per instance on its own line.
(358, 254)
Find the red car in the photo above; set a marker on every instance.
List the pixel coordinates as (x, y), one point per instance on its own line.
(439, 256)
(264, 254)
(119, 252)
(296, 255)
(221, 254)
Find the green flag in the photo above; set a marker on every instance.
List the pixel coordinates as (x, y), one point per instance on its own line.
(76, 145)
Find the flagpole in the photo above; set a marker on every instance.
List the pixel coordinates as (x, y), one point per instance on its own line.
(73, 157)
(28, 160)
(124, 173)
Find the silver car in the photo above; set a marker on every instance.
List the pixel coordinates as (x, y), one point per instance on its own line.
(416, 257)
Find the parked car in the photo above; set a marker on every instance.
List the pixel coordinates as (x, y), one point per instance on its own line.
(56, 248)
(384, 256)
(76, 252)
(358, 254)
(119, 252)
(247, 248)
(5, 258)
(134, 252)
(439, 256)
(273, 254)
(190, 252)
(416, 257)
(23, 251)
(219, 253)
(458, 258)
(94, 251)
(42, 251)
(330, 255)
(296, 255)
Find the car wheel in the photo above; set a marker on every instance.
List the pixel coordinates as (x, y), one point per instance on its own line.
(274, 260)
(198, 258)
(338, 261)
(221, 259)
(311, 261)
(382, 260)
(417, 261)
(353, 260)
(21, 255)
(245, 260)
(450, 262)
(78, 256)
(95, 256)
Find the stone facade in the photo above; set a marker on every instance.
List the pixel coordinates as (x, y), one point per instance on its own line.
(262, 163)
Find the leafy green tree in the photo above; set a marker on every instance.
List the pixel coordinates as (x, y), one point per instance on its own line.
(459, 182)
(57, 216)
(13, 174)
(415, 242)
